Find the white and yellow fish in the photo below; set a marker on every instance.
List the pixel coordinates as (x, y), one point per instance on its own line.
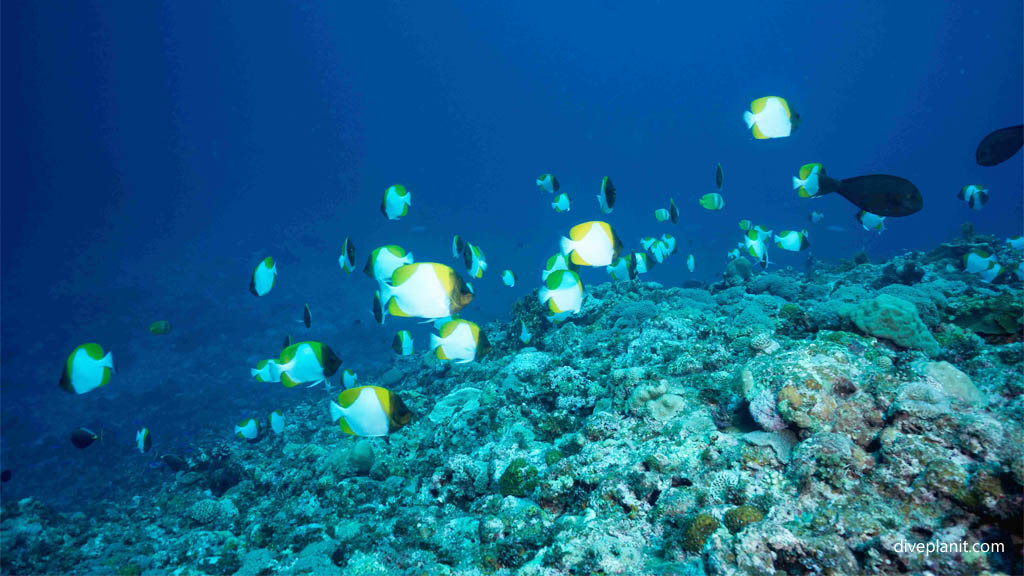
(690, 263)
(347, 260)
(712, 201)
(770, 117)
(309, 363)
(276, 421)
(557, 262)
(642, 262)
(806, 182)
(591, 244)
(143, 441)
(871, 222)
(977, 261)
(548, 183)
(384, 260)
(509, 278)
(423, 290)
(263, 277)
(524, 334)
(792, 240)
(461, 341)
(349, 379)
(562, 203)
(87, 368)
(248, 429)
(562, 293)
(606, 199)
(475, 261)
(369, 411)
(396, 201)
(623, 268)
(402, 344)
(975, 196)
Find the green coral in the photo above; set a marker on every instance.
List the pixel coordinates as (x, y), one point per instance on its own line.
(740, 517)
(894, 319)
(983, 491)
(697, 532)
(519, 479)
(552, 456)
(130, 569)
(991, 316)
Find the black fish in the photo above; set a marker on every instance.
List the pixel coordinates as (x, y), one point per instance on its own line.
(467, 256)
(287, 341)
(880, 194)
(718, 176)
(83, 437)
(673, 212)
(5, 476)
(174, 462)
(307, 318)
(378, 309)
(350, 251)
(1000, 146)
(608, 189)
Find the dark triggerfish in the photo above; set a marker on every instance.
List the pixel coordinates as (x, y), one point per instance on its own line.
(1000, 146)
(880, 194)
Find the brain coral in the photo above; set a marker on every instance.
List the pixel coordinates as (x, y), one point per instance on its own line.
(888, 317)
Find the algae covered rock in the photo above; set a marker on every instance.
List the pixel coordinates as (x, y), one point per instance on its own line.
(740, 517)
(894, 319)
(697, 531)
(519, 479)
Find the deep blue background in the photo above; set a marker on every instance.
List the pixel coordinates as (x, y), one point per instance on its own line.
(154, 152)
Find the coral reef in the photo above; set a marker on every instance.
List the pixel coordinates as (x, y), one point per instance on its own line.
(774, 423)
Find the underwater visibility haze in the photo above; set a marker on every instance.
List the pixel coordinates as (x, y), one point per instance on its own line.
(518, 288)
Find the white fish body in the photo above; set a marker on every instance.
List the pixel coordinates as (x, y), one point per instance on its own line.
(773, 120)
(366, 417)
(459, 346)
(422, 295)
(87, 373)
(303, 368)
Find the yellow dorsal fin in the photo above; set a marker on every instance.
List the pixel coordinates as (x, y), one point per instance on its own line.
(580, 231)
(403, 273)
(758, 105)
(449, 327)
(348, 397)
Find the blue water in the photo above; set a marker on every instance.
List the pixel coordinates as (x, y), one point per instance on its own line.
(153, 153)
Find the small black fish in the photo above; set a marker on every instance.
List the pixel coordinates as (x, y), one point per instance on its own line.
(287, 341)
(5, 476)
(718, 176)
(1000, 146)
(83, 437)
(174, 462)
(307, 318)
(378, 309)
